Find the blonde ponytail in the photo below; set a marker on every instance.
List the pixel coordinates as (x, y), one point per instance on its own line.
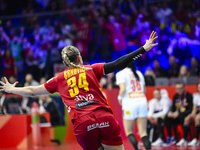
(71, 52)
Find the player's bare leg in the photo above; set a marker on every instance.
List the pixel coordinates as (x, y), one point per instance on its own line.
(142, 126)
(128, 127)
(108, 147)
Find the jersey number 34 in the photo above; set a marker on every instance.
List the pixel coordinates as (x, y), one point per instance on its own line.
(82, 83)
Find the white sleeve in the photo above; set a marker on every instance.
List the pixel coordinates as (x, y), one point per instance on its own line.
(194, 98)
(141, 77)
(151, 108)
(166, 108)
(119, 78)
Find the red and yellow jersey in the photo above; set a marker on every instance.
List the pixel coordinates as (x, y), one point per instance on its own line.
(79, 89)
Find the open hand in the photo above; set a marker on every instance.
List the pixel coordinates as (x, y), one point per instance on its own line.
(6, 86)
(150, 43)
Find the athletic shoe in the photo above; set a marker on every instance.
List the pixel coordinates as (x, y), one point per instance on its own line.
(158, 142)
(170, 141)
(182, 142)
(194, 142)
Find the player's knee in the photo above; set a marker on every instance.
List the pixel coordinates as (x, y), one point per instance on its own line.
(197, 118)
(187, 120)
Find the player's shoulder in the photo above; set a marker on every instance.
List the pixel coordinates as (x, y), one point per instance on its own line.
(196, 94)
(59, 76)
(124, 71)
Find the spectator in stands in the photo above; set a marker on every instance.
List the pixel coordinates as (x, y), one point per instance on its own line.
(84, 34)
(52, 35)
(43, 80)
(26, 45)
(150, 77)
(27, 102)
(57, 27)
(48, 105)
(194, 116)
(117, 37)
(29, 81)
(9, 64)
(181, 107)
(163, 13)
(12, 79)
(184, 73)
(184, 46)
(64, 42)
(4, 39)
(101, 42)
(12, 105)
(8, 28)
(2, 102)
(158, 108)
(195, 68)
(32, 64)
(181, 12)
(174, 67)
(158, 70)
(195, 32)
(137, 19)
(46, 28)
(16, 48)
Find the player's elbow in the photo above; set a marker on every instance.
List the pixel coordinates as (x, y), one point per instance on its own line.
(32, 93)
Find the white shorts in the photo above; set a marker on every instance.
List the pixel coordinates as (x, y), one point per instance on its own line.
(134, 108)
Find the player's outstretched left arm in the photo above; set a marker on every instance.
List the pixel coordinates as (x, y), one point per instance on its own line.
(123, 61)
(29, 91)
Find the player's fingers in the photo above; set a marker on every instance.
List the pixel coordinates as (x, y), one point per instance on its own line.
(151, 34)
(6, 81)
(1, 87)
(154, 34)
(15, 83)
(155, 44)
(154, 39)
(2, 83)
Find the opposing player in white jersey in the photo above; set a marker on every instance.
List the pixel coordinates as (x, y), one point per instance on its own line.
(134, 104)
(159, 106)
(195, 115)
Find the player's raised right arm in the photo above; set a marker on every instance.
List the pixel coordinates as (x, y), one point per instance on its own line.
(123, 61)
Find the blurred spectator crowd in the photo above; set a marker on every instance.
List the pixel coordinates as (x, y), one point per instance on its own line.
(33, 33)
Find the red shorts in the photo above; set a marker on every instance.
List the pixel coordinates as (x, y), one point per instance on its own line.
(95, 128)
